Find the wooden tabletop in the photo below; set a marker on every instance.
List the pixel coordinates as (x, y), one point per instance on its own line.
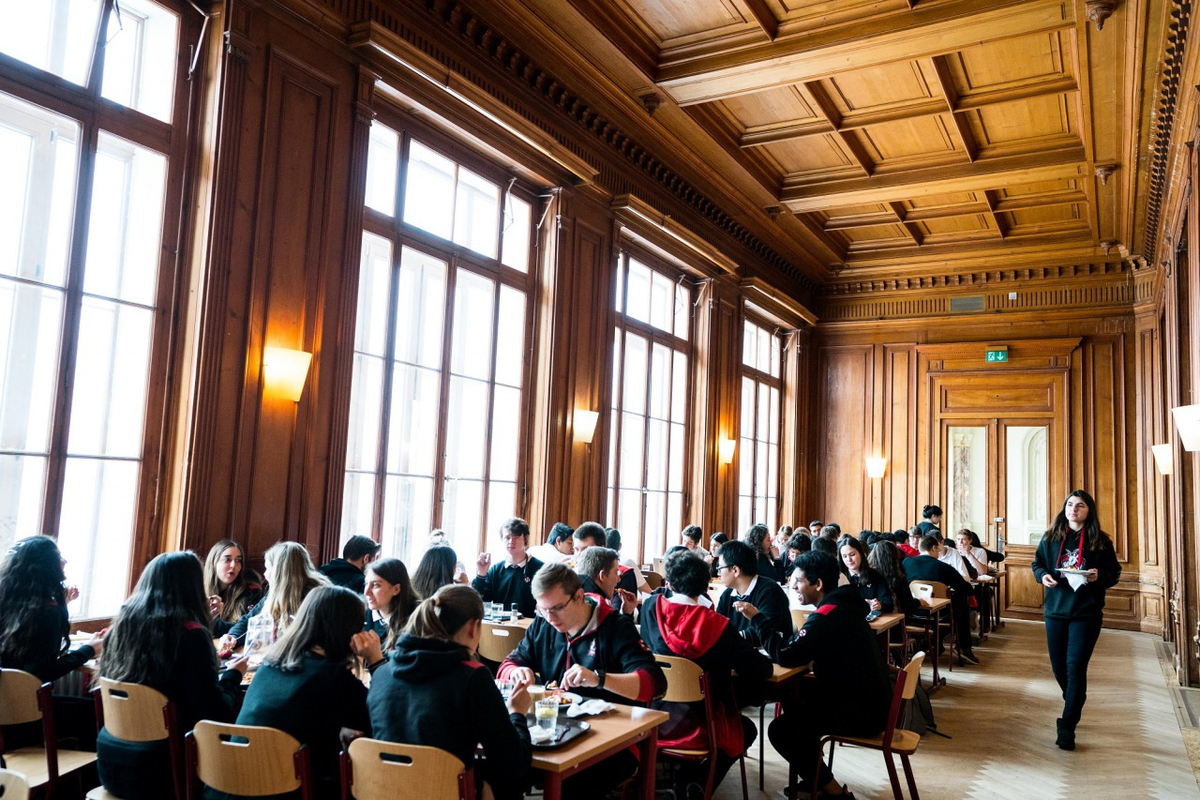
(935, 604)
(523, 622)
(784, 674)
(611, 732)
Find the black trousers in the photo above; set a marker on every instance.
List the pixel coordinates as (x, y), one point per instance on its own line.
(1071, 642)
(697, 771)
(796, 735)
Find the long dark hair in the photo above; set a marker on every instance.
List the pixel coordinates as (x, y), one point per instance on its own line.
(236, 593)
(327, 619)
(444, 613)
(435, 570)
(885, 560)
(143, 644)
(1096, 538)
(31, 580)
(400, 607)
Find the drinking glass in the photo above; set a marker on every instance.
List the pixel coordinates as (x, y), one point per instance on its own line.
(506, 689)
(546, 712)
(514, 613)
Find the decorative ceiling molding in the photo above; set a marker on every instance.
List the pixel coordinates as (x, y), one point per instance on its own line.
(1163, 120)
(976, 279)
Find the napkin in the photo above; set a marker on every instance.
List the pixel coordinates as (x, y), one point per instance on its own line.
(589, 707)
(539, 735)
(1075, 580)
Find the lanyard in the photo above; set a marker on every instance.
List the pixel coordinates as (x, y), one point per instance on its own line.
(1058, 563)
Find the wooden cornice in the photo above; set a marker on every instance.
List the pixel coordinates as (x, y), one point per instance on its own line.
(919, 33)
(783, 308)
(670, 240)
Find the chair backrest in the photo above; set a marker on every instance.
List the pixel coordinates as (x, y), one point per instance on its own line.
(13, 786)
(247, 759)
(375, 770)
(134, 712)
(906, 687)
(657, 561)
(497, 641)
(937, 588)
(799, 617)
(19, 701)
(686, 682)
(653, 579)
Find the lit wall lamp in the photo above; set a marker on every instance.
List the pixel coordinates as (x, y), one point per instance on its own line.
(725, 450)
(1163, 458)
(1187, 421)
(876, 466)
(285, 371)
(584, 424)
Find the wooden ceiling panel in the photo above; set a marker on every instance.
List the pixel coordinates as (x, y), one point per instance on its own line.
(769, 109)
(878, 87)
(802, 15)
(909, 139)
(1045, 215)
(1035, 118)
(1009, 63)
(942, 200)
(973, 223)
(816, 158)
(671, 22)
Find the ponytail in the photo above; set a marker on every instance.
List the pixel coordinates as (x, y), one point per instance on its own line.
(442, 615)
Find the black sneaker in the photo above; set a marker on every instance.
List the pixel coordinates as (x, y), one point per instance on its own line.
(968, 657)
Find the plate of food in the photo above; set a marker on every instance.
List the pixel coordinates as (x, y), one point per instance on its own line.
(565, 699)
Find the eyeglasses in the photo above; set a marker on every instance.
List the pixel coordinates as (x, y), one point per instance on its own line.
(722, 569)
(555, 611)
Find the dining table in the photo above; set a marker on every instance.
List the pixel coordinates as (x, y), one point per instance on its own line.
(611, 732)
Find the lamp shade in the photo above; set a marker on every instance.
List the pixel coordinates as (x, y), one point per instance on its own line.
(1187, 422)
(584, 423)
(285, 371)
(876, 466)
(1163, 458)
(725, 450)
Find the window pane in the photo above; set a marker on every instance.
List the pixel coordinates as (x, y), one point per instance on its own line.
(139, 58)
(429, 191)
(471, 352)
(407, 516)
(634, 378)
(413, 423)
(674, 518)
(366, 401)
(502, 504)
(466, 428)
(776, 346)
(109, 396)
(745, 459)
(125, 231)
(96, 531)
(421, 297)
(54, 35)
(383, 157)
(747, 422)
(744, 520)
(748, 340)
(22, 484)
(660, 384)
(506, 433)
(462, 517)
(476, 213)
(683, 310)
(773, 430)
(675, 478)
(358, 500)
(375, 272)
(662, 302)
(518, 226)
(679, 376)
(37, 191)
(619, 289)
(637, 295)
(632, 435)
(657, 452)
(764, 414)
(656, 509)
(30, 322)
(510, 355)
(630, 514)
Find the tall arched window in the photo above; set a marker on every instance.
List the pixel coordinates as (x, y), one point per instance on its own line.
(758, 442)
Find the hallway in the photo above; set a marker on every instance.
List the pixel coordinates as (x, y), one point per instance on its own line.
(1001, 717)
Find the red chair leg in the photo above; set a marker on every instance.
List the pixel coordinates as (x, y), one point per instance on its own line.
(897, 792)
(912, 780)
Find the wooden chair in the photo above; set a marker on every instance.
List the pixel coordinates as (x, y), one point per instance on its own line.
(375, 770)
(687, 683)
(893, 740)
(246, 760)
(497, 641)
(924, 590)
(23, 699)
(653, 579)
(13, 786)
(138, 713)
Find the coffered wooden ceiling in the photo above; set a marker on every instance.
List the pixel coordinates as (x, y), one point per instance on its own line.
(884, 136)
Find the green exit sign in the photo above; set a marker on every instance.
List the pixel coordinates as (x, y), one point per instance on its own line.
(1000, 354)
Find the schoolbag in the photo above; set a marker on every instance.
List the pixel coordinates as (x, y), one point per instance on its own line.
(918, 714)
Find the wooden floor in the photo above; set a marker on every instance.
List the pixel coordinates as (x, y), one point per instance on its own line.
(1001, 717)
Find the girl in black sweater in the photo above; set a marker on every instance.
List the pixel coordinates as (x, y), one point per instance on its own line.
(434, 692)
(390, 599)
(870, 583)
(160, 639)
(232, 589)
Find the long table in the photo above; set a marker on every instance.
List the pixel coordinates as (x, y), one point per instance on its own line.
(612, 732)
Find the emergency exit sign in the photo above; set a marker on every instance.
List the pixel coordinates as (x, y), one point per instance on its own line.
(998, 354)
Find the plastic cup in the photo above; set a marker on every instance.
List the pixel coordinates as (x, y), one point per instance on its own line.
(506, 689)
(546, 711)
(536, 692)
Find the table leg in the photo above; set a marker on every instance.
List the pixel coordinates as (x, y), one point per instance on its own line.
(552, 786)
(649, 763)
(762, 734)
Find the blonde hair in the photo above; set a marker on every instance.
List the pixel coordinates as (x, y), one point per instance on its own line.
(294, 576)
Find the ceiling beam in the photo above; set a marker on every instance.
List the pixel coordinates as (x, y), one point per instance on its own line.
(919, 33)
(987, 173)
(763, 16)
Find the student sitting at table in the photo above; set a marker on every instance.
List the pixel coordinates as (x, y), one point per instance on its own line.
(290, 577)
(391, 600)
(871, 585)
(433, 691)
(599, 573)
(306, 687)
(350, 569)
(798, 544)
(927, 567)
(690, 537)
(593, 534)
(508, 582)
(232, 589)
(582, 645)
(34, 628)
(716, 542)
(612, 540)
(160, 638)
(769, 567)
(679, 625)
(885, 558)
(851, 693)
(558, 547)
(739, 573)
(438, 567)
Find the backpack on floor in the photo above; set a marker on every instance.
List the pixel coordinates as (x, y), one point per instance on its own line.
(918, 714)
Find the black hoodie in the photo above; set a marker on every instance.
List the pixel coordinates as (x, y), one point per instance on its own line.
(1063, 602)
(342, 573)
(429, 694)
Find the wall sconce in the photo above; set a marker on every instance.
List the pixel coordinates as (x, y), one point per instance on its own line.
(1163, 458)
(1187, 422)
(725, 450)
(284, 372)
(876, 466)
(584, 425)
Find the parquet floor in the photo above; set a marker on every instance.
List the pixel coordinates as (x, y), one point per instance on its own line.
(1001, 717)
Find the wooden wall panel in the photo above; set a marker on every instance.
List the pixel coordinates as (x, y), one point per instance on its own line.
(898, 434)
(847, 386)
